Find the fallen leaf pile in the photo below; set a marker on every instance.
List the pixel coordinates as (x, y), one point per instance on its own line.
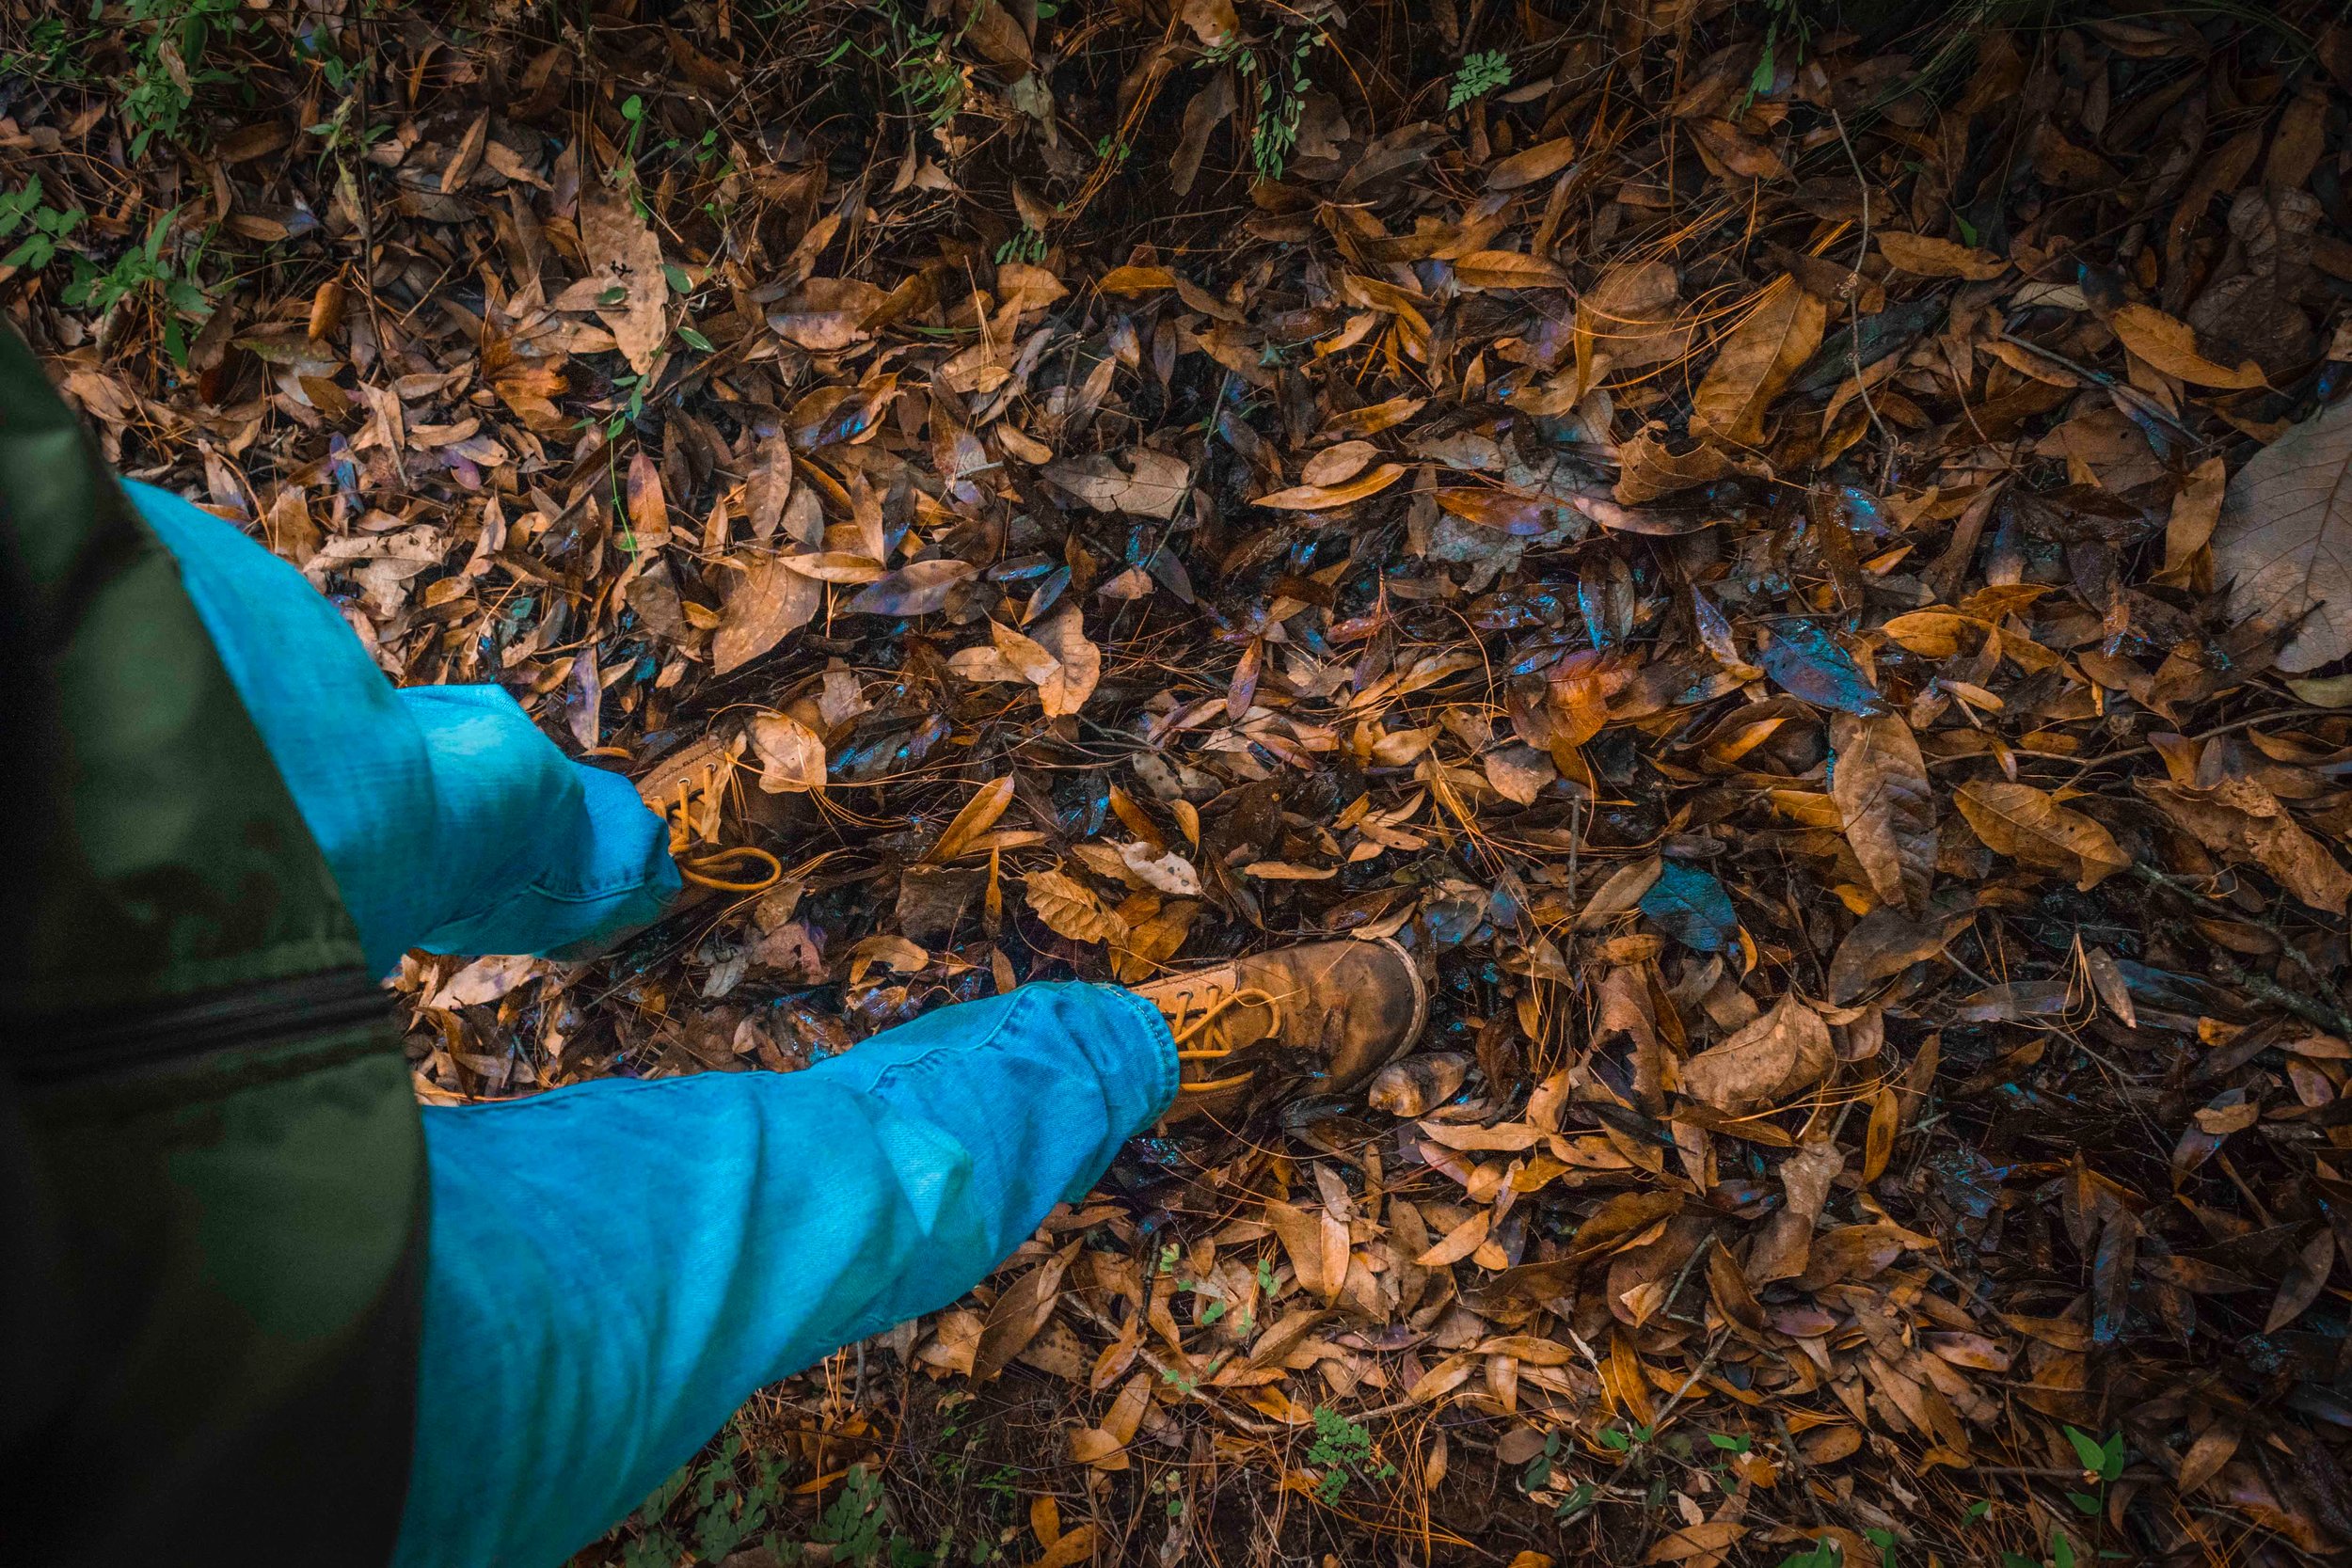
(1803, 568)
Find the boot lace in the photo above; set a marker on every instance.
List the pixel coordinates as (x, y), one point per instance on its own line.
(1201, 1019)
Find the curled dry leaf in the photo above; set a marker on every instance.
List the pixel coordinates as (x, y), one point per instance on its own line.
(1416, 1085)
(1779, 1055)
(791, 755)
(2240, 820)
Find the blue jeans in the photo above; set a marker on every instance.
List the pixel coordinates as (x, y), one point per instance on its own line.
(615, 1265)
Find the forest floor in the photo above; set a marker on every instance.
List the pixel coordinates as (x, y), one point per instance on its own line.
(1800, 561)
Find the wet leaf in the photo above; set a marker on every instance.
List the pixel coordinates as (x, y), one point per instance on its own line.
(1693, 907)
(1805, 661)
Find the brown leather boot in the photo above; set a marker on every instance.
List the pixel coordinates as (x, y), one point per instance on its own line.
(1332, 1012)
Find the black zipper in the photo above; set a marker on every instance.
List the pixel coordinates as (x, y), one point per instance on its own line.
(61, 1049)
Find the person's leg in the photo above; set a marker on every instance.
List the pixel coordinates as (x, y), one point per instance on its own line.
(617, 1265)
(451, 822)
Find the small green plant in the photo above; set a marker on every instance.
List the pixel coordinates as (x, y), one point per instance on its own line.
(168, 65)
(1282, 82)
(2102, 1465)
(1790, 23)
(50, 53)
(1481, 74)
(1027, 245)
(45, 226)
(1821, 1554)
(1341, 1450)
(2062, 1552)
(146, 271)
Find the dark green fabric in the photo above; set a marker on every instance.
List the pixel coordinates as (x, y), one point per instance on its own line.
(183, 865)
(212, 1197)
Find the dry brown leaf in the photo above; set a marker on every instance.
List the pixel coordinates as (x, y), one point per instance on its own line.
(2284, 540)
(1507, 269)
(978, 816)
(1925, 256)
(1339, 464)
(2304, 1280)
(1458, 1244)
(768, 601)
(1319, 497)
(1886, 804)
(2169, 344)
(1769, 346)
(1632, 317)
(1066, 906)
(791, 755)
(2241, 820)
(1075, 1547)
(1156, 486)
(1783, 1051)
(624, 254)
(1077, 664)
(1531, 164)
(2194, 512)
(2024, 823)
(1017, 1315)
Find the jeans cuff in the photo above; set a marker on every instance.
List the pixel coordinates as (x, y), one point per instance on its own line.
(1157, 1072)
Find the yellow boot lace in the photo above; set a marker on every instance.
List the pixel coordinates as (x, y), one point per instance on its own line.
(692, 808)
(1201, 1023)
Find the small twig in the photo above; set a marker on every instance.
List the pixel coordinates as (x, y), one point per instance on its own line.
(2319, 1015)
(2333, 1018)
(1853, 311)
(2101, 378)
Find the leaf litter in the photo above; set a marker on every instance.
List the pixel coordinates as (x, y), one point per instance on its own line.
(1799, 566)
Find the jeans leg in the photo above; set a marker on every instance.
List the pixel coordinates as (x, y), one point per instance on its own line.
(617, 1265)
(450, 820)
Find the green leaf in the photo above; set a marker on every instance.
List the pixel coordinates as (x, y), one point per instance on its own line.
(1729, 1444)
(2061, 1549)
(2111, 1458)
(679, 283)
(695, 340)
(1977, 1510)
(2084, 1501)
(2087, 1448)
